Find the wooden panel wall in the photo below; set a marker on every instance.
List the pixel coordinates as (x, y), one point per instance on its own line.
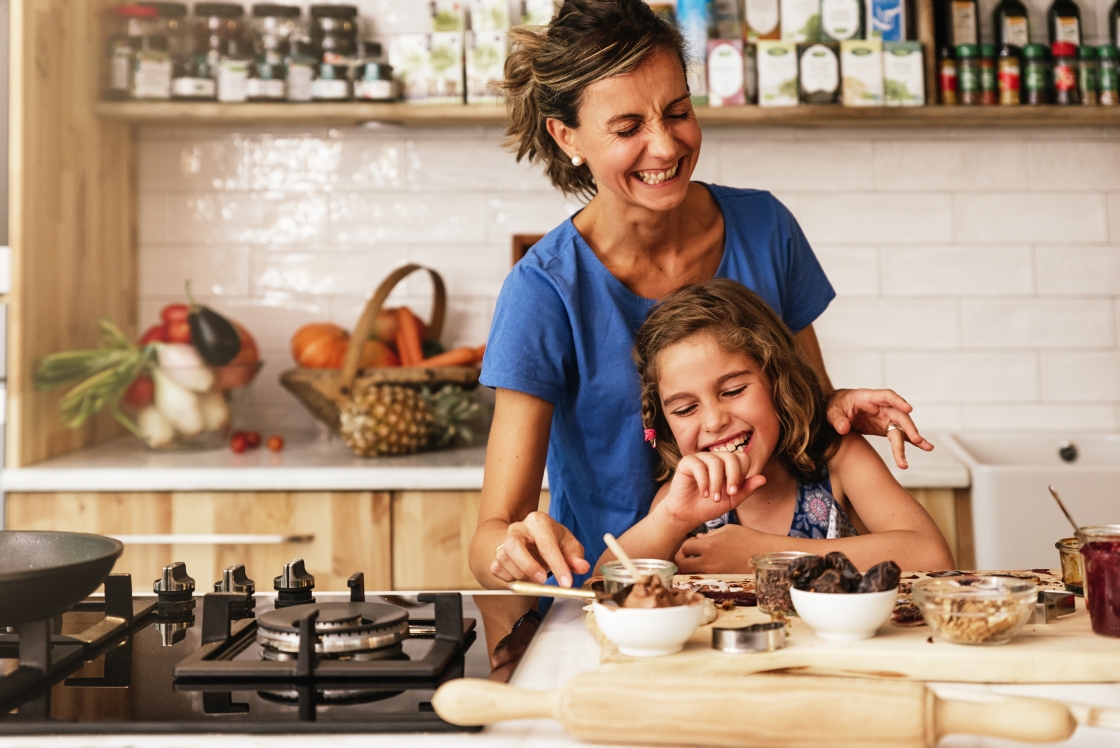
(72, 215)
(951, 509)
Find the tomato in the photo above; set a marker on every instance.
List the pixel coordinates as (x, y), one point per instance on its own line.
(178, 332)
(140, 392)
(237, 443)
(174, 313)
(253, 439)
(241, 370)
(275, 443)
(154, 334)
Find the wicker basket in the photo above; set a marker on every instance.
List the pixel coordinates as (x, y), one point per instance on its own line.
(325, 392)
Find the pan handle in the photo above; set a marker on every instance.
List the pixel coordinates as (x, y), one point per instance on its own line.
(212, 539)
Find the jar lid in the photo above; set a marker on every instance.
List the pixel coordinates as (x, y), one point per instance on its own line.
(776, 559)
(1063, 49)
(168, 10)
(334, 11)
(221, 10)
(1086, 52)
(987, 50)
(1032, 51)
(273, 10)
(968, 50)
(375, 71)
(1108, 52)
(1098, 533)
(134, 11)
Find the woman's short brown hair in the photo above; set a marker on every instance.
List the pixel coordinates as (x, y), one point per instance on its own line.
(551, 66)
(740, 322)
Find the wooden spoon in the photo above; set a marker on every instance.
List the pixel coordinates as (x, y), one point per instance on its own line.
(624, 557)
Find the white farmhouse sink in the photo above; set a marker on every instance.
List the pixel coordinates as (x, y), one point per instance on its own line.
(1015, 522)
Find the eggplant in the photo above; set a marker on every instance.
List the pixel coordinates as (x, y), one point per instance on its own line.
(213, 335)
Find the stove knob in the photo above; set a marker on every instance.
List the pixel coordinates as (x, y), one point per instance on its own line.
(234, 580)
(174, 579)
(295, 577)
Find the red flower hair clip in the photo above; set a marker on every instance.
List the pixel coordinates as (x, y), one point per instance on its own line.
(651, 437)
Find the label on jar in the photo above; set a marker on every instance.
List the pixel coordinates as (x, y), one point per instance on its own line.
(374, 90)
(1109, 80)
(193, 88)
(968, 77)
(265, 88)
(1015, 31)
(964, 23)
(233, 79)
(1065, 77)
(151, 77)
(1008, 80)
(820, 70)
(1035, 76)
(840, 19)
(762, 18)
(120, 64)
(947, 81)
(330, 89)
(1087, 79)
(1067, 29)
(299, 81)
(987, 76)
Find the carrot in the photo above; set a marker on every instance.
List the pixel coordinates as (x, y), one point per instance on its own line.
(455, 357)
(408, 338)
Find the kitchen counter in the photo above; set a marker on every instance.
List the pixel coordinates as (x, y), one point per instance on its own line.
(312, 463)
(561, 649)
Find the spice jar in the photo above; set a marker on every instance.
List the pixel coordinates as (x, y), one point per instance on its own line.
(219, 31)
(989, 90)
(1065, 69)
(968, 74)
(171, 23)
(1087, 74)
(1101, 553)
(615, 576)
(271, 27)
(373, 81)
(947, 77)
(1109, 75)
(1036, 75)
(300, 66)
(331, 83)
(130, 26)
(1073, 566)
(1009, 77)
(772, 582)
(334, 32)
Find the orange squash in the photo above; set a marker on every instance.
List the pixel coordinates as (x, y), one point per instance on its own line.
(320, 345)
(377, 354)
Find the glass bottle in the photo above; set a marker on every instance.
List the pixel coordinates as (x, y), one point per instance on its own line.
(1011, 25)
(300, 65)
(968, 75)
(271, 26)
(1064, 21)
(842, 19)
(1065, 73)
(960, 20)
(1036, 75)
(947, 77)
(129, 26)
(1010, 77)
(334, 31)
(1087, 74)
(1109, 75)
(989, 89)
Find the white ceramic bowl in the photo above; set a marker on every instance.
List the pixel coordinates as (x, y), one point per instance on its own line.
(648, 632)
(840, 617)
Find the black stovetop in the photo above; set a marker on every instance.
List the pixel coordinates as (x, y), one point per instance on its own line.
(160, 677)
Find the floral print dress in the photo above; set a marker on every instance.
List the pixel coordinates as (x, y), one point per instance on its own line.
(817, 516)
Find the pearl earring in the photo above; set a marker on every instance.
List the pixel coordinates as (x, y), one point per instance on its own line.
(577, 160)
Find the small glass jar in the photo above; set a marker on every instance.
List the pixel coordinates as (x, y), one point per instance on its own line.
(1009, 77)
(272, 26)
(615, 576)
(1100, 551)
(130, 27)
(1087, 74)
(373, 81)
(334, 32)
(332, 83)
(172, 24)
(1036, 75)
(947, 77)
(772, 582)
(968, 75)
(1073, 567)
(219, 31)
(1109, 75)
(300, 66)
(989, 89)
(1065, 73)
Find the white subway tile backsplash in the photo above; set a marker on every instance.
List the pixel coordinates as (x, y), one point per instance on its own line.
(1114, 216)
(315, 274)
(1075, 165)
(466, 269)
(397, 217)
(249, 218)
(853, 269)
(951, 165)
(956, 270)
(292, 163)
(931, 417)
(213, 271)
(1081, 376)
(1073, 270)
(1040, 417)
(888, 324)
(825, 166)
(153, 218)
(1037, 323)
(512, 213)
(854, 369)
(1030, 217)
(963, 377)
(844, 216)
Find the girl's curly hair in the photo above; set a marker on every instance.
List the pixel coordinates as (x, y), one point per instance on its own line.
(740, 322)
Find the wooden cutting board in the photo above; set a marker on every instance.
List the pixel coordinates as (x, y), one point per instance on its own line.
(1064, 651)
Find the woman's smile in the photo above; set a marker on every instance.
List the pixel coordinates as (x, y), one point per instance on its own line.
(658, 177)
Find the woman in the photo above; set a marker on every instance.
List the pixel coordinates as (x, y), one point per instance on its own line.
(599, 98)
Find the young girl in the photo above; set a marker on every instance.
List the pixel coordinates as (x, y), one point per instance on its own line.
(737, 416)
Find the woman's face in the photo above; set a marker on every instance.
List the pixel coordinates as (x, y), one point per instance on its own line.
(715, 400)
(638, 134)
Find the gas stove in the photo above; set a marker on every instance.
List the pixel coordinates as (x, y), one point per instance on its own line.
(234, 661)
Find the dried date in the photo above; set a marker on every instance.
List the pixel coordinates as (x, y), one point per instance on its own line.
(880, 577)
(830, 581)
(803, 570)
(847, 571)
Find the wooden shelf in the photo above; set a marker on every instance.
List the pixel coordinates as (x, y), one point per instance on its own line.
(445, 115)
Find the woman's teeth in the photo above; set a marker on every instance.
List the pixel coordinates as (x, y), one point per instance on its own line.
(733, 446)
(657, 177)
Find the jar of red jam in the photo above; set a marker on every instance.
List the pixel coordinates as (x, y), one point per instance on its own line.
(1100, 549)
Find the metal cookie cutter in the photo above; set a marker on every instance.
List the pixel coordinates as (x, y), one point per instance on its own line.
(761, 637)
(1052, 605)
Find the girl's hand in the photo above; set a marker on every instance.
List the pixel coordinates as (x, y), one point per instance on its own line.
(535, 546)
(870, 412)
(726, 549)
(707, 485)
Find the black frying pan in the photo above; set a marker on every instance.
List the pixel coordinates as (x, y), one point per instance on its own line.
(45, 573)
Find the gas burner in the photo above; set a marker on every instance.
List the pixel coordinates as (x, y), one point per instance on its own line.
(332, 696)
(342, 629)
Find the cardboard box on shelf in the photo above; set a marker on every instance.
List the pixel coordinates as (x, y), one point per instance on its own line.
(777, 74)
(725, 73)
(486, 60)
(903, 79)
(861, 67)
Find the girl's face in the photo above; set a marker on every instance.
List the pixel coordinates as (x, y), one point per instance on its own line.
(716, 400)
(638, 134)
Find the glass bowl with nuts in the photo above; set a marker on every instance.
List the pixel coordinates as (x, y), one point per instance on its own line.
(976, 610)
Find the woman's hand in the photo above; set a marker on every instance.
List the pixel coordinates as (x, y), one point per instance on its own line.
(726, 549)
(707, 485)
(535, 546)
(870, 412)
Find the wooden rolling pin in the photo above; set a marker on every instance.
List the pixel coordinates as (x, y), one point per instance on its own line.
(775, 711)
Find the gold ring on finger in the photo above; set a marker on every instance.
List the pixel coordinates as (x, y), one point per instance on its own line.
(893, 427)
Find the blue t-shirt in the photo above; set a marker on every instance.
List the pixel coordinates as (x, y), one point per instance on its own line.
(563, 331)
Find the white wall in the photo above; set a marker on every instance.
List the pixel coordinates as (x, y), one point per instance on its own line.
(978, 272)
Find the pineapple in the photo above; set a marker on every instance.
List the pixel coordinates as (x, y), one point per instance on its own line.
(384, 419)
